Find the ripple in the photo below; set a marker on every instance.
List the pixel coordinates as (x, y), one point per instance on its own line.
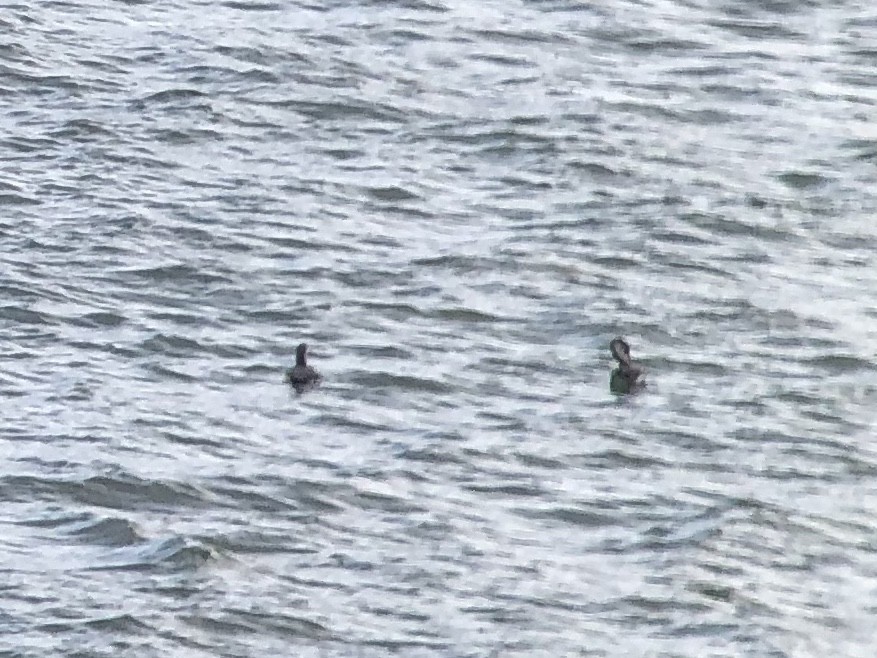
(802, 180)
(108, 532)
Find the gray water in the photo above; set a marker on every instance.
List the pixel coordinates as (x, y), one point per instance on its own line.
(457, 205)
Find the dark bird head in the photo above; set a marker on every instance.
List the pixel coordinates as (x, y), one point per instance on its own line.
(301, 353)
(620, 350)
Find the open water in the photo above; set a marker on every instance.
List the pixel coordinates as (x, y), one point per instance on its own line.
(457, 205)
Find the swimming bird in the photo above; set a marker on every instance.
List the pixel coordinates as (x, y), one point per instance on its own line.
(629, 375)
(302, 375)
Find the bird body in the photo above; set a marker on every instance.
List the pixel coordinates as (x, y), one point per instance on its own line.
(302, 375)
(629, 375)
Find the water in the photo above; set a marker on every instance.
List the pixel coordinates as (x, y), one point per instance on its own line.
(457, 205)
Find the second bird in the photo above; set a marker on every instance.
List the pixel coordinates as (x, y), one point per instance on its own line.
(629, 375)
(302, 376)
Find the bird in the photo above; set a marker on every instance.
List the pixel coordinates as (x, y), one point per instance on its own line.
(629, 375)
(302, 376)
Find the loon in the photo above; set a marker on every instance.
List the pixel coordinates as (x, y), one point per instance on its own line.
(629, 375)
(302, 376)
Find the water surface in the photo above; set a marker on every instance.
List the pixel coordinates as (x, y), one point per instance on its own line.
(457, 206)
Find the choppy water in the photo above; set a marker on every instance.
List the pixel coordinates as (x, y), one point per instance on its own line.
(456, 205)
